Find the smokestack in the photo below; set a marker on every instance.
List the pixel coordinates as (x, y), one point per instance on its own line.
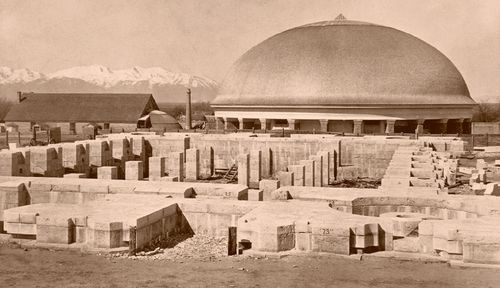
(188, 110)
(20, 96)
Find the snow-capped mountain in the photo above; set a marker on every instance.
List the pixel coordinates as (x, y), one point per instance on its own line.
(166, 86)
(9, 75)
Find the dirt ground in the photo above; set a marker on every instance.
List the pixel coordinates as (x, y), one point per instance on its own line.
(44, 268)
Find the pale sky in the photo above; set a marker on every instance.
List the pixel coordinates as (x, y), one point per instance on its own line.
(204, 37)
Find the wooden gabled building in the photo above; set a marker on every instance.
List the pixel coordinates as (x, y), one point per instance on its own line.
(71, 111)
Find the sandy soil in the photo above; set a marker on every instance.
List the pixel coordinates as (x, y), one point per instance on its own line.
(43, 268)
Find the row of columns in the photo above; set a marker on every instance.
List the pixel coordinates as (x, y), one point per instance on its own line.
(358, 125)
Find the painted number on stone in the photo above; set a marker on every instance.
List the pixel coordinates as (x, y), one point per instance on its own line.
(324, 231)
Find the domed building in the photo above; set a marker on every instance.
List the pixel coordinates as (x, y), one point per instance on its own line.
(345, 76)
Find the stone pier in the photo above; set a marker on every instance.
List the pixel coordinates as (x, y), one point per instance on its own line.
(244, 169)
(255, 168)
(107, 172)
(298, 174)
(192, 164)
(309, 172)
(174, 165)
(134, 170)
(156, 168)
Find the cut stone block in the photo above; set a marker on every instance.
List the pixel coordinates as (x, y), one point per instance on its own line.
(326, 167)
(255, 195)
(50, 229)
(192, 164)
(134, 170)
(244, 169)
(286, 178)
(75, 175)
(298, 174)
(255, 168)
(268, 186)
(46, 161)
(156, 168)
(318, 170)
(170, 178)
(107, 172)
(15, 163)
(174, 165)
(309, 177)
(492, 189)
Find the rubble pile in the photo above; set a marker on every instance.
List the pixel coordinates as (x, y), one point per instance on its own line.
(182, 247)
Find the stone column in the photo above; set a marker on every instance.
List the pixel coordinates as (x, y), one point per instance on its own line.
(244, 169)
(217, 122)
(420, 126)
(291, 124)
(466, 126)
(324, 125)
(240, 120)
(358, 127)
(389, 127)
(298, 174)
(255, 168)
(443, 126)
(460, 126)
(225, 123)
(309, 172)
(192, 164)
(263, 122)
(318, 170)
(326, 167)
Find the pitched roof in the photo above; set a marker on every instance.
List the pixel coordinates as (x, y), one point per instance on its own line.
(81, 107)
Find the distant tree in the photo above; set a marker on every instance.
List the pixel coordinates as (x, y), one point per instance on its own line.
(487, 112)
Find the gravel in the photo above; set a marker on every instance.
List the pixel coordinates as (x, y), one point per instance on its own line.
(183, 247)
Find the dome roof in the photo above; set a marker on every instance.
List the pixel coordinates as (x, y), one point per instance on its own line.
(343, 63)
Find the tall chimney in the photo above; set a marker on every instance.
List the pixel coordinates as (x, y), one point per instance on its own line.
(188, 110)
(20, 96)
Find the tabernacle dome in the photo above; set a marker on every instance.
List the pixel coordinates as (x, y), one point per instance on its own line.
(345, 76)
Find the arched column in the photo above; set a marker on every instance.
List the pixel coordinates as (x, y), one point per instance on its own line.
(443, 126)
(358, 127)
(240, 120)
(466, 126)
(324, 125)
(389, 126)
(263, 123)
(420, 126)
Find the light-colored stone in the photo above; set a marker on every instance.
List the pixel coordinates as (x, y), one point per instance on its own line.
(192, 164)
(107, 172)
(286, 178)
(134, 170)
(268, 186)
(309, 176)
(255, 168)
(244, 169)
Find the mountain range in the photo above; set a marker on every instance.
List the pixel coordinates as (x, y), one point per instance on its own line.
(166, 86)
